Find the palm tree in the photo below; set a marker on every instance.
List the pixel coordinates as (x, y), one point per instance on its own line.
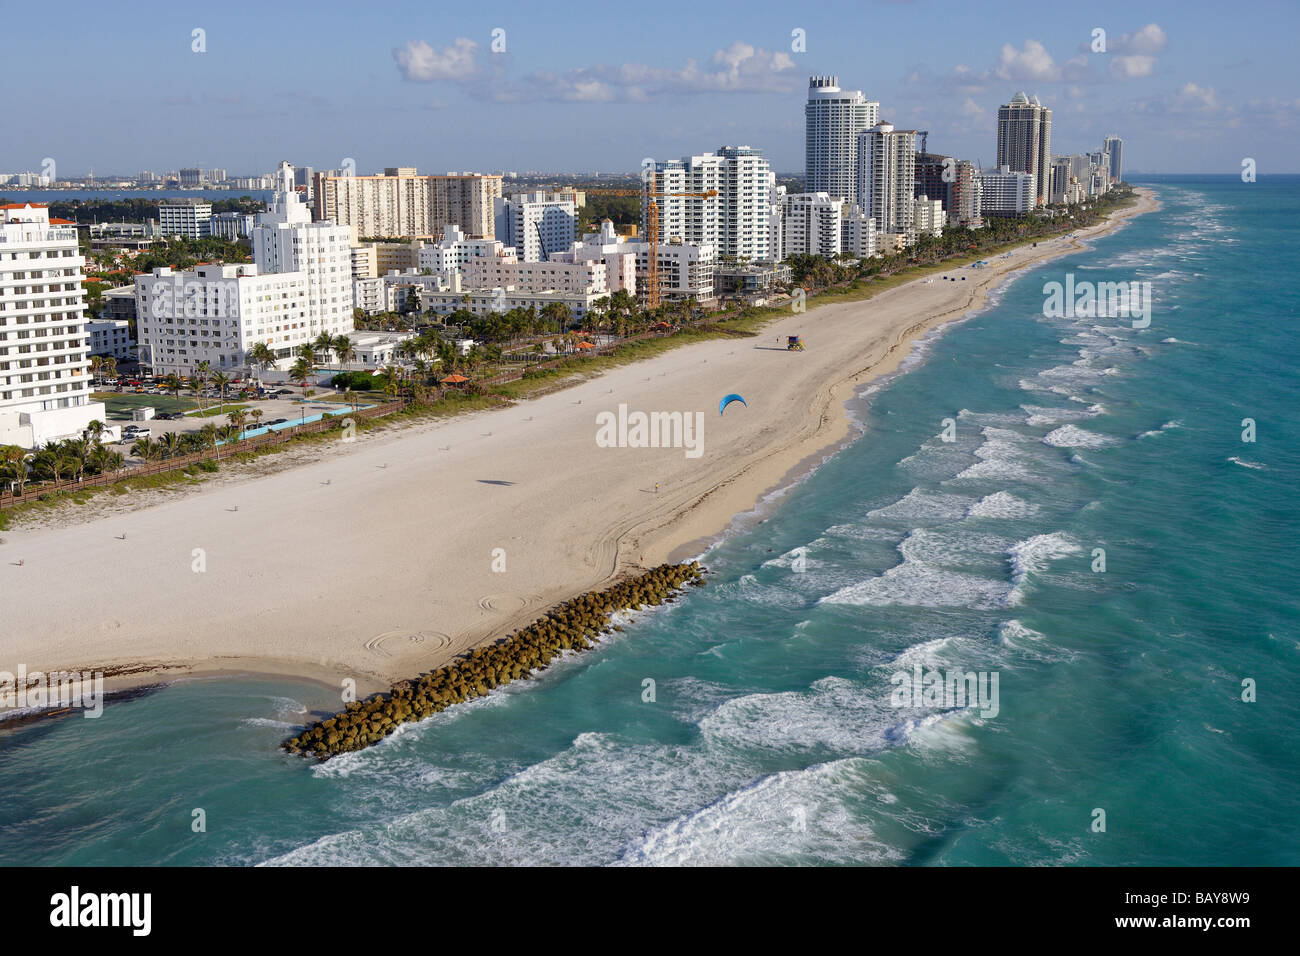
(323, 344)
(94, 431)
(301, 371)
(96, 366)
(307, 354)
(222, 381)
(351, 398)
(13, 465)
(256, 415)
(236, 419)
(260, 354)
(171, 444)
(146, 449)
(343, 350)
(172, 383)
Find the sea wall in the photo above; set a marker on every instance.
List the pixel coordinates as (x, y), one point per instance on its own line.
(573, 625)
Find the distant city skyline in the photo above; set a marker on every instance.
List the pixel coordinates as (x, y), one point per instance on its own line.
(517, 89)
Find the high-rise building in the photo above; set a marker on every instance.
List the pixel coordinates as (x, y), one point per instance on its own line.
(44, 347)
(1006, 192)
(887, 177)
(833, 118)
(407, 204)
(192, 177)
(1025, 141)
(1114, 146)
(738, 222)
(188, 218)
(536, 224)
(286, 240)
(810, 225)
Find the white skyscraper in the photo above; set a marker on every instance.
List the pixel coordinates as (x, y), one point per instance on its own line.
(537, 224)
(44, 345)
(286, 240)
(1025, 141)
(737, 222)
(886, 179)
(833, 118)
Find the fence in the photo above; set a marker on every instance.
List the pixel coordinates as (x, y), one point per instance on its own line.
(35, 489)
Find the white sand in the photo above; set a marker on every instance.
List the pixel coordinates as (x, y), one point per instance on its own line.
(344, 568)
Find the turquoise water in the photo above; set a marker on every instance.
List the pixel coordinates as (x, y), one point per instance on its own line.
(772, 737)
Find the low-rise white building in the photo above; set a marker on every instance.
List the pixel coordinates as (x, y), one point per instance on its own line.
(685, 270)
(216, 313)
(232, 226)
(615, 254)
(110, 337)
(858, 233)
(929, 217)
(454, 251)
(187, 218)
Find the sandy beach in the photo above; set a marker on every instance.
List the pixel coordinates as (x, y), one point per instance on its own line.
(384, 557)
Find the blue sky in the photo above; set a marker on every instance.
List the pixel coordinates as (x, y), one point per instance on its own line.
(1192, 86)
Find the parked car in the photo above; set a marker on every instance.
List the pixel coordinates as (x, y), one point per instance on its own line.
(133, 433)
(277, 421)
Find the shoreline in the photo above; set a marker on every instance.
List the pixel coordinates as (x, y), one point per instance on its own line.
(700, 503)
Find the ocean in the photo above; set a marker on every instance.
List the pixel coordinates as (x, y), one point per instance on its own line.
(1096, 539)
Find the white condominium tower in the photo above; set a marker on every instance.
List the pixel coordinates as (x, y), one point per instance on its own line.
(403, 203)
(537, 224)
(738, 222)
(833, 118)
(1025, 141)
(44, 345)
(810, 225)
(286, 240)
(887, 177)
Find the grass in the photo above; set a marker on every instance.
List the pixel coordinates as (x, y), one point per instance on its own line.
(119, 405)
(216, 411)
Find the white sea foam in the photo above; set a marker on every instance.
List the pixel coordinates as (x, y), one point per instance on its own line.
(1042, 415)
(921, 505)
(1002, 504)
(1071, 436)
(1246, 464)
(1161, 430)
(1032, 557)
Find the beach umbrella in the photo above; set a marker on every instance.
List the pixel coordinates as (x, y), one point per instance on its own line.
(454, 380)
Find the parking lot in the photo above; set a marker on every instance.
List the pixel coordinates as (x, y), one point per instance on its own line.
(275, 408)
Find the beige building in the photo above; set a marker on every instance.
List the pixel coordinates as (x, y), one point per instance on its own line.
(403, 203)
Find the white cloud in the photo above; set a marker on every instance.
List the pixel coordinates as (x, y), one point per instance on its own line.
(421, 63)
(1148, 40)
(1131, 66)
(739, 68)
(1033, 63)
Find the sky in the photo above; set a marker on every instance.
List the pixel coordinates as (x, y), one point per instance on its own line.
(1192, 87)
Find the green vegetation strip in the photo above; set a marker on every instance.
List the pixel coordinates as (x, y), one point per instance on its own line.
(573, 625)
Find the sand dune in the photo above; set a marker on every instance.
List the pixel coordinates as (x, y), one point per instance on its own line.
(386, 571)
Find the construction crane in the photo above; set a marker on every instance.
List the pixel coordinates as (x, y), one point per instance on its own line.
(651, 202)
